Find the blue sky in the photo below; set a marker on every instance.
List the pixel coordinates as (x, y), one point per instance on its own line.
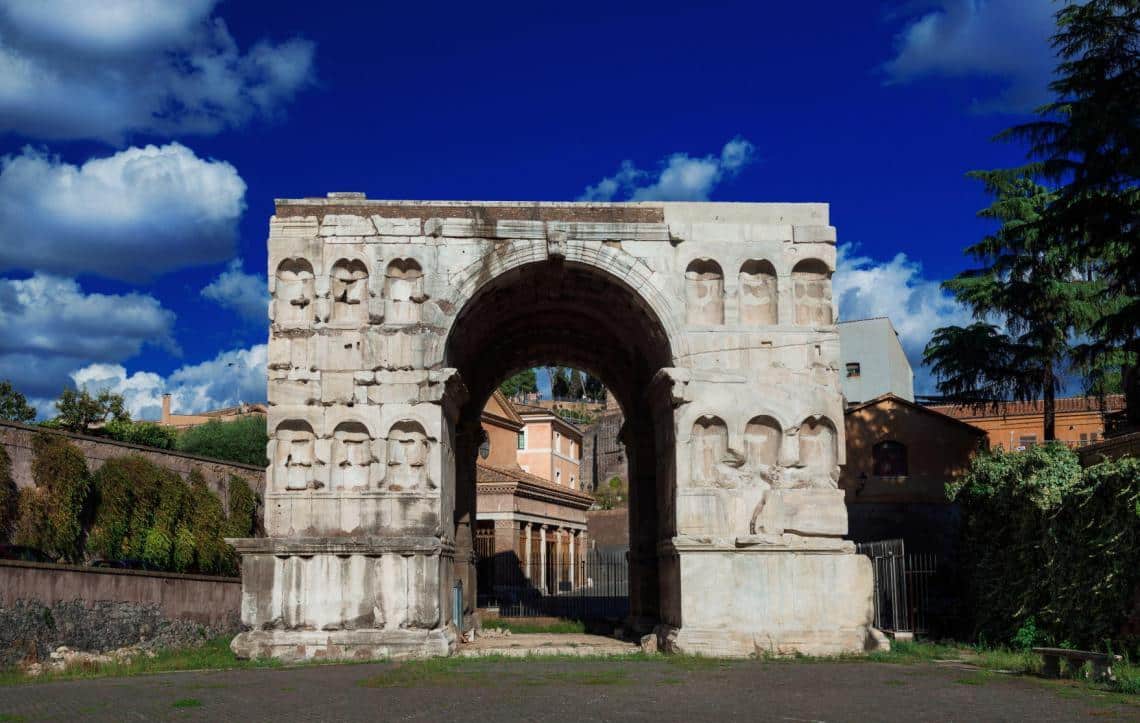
(143, 143)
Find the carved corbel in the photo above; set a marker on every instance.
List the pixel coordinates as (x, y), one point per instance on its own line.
(675, 382)
(556, 244)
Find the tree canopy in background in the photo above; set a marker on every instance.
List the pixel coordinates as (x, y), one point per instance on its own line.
(523, 382)
(79, 410)
(14, 406)
(1031, 289)
(242, 440)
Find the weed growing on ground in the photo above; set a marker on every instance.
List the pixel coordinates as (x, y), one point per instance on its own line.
(187, 703)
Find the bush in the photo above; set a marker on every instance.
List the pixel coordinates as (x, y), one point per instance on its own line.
(205, 525)
(158, 550)
(9, 497)
(147, 434)
(53, 513)
(125, 496)
(242, 521)
(1051, 551)
(242, 440)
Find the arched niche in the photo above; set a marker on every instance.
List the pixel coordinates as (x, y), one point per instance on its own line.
(351, 456)
(349, 290)
(704, 292)
(709, 445)
(762, 442)
(408, 448)
(811, 290)
(294, 462)
(403, 292)
(819, 451)
(293, 293)
(758, 298)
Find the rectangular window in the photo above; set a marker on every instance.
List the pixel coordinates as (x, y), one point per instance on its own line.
(852, 370)
(1084, 438)
(1027, 441)
(522, 440)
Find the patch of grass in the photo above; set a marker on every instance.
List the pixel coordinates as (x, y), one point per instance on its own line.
(1016, 661)
(11, 718)
(975, 679)
(211, 655)
(699, 662)
(522, 627)
(1127, 679)
(187, 703)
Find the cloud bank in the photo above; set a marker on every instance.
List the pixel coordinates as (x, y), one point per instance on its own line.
(232, 377)
(133, 215)
(897, 289)
(246, 294)
(1007, 40)
(680, 177)
(104, 69)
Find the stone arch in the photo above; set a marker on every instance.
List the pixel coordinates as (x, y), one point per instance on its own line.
(762, 438)
(348, 286)
(294, 291)
(295, 459)
(403, 292)
(704, 292)
(709, 441)
(819, 451)
(759, 303)
(408, 448)
(352, 456)
(811, 291)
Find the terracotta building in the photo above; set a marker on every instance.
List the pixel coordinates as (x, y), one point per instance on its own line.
(228, 414)
(900, 457)
(1017, 425)
(530, 528)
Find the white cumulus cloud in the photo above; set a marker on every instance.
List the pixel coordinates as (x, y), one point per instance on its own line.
(133, 215)
(230, 378)
(916, 305)
(1006, 40)
(247, 294)
(49, 326)
(681, 177)
(103, 69)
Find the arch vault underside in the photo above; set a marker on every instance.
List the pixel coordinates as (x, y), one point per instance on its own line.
(391, 324)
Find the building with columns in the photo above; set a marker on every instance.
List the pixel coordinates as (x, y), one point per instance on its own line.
(530, 527)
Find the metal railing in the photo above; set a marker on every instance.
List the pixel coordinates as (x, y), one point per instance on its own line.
(902, 589)
(594, 588)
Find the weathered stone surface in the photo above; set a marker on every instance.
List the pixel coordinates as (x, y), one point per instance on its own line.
(713, 324)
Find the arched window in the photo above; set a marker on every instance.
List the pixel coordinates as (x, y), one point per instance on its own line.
(758, 303)
(811, 289)
(889, 458)
(704, 292)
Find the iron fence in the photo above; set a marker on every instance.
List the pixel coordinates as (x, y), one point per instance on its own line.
(902, 589)
(594, 588)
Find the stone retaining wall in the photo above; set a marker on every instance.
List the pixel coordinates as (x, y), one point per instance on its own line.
(17, 439)
(44, 606)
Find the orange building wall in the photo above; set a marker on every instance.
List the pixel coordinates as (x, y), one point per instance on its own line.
(1007, 432)
(939, 450)
(536, 458)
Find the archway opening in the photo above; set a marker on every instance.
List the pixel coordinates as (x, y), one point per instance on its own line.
(581, 317)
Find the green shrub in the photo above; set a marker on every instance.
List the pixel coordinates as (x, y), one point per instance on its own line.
(206, 523)
(52, 515)
(242, 440)
(242, 502)
(1051, 551)
(125, 497)
(147, 434)
(158, 550)
(9, 497)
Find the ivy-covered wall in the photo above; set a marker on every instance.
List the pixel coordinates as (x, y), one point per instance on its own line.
(1051, 549)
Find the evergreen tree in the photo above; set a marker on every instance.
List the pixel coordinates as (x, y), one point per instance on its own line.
(577, 385)
(1029, 284)
(595, 390)
(1088, 141)
(559, 382)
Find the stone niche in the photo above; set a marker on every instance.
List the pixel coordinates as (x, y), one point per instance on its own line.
(736, 518)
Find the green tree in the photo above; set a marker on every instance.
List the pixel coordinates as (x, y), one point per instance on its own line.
(52, 514)
(559, 382)
(147, 434)
(520, 383)
(9, 496)
(1087, 140)
(577, 385)
(14, 406)
(595, 390)
(242, 440)
(79, 410)
(1031, 288)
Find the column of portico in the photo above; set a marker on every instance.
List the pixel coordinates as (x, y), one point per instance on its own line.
(526, 553)
(542, 558)
(573, 559)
